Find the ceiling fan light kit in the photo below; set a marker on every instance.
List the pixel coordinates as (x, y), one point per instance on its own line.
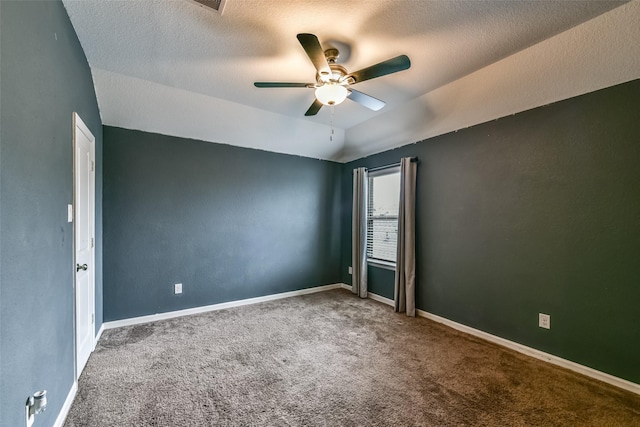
(331, 93)
(333, 80)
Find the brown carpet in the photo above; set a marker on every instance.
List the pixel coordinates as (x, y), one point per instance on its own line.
(329, 359)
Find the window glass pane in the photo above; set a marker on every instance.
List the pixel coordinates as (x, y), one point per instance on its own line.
(382, 226)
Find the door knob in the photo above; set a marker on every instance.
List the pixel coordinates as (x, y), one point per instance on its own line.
(81, 267)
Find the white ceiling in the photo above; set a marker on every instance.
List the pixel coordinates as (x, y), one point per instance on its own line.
(175, 68)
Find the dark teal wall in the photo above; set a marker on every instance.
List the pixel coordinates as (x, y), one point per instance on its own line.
(228, 223)
(537, 212)
(44, 78)
(380, 281)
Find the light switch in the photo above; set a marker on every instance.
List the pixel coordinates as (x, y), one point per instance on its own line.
(69, 213)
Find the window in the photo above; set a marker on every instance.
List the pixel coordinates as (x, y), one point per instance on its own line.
(382, 216)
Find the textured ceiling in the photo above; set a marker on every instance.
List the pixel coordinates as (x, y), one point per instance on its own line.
(175, 68)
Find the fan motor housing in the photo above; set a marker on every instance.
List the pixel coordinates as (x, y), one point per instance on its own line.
(338, 73)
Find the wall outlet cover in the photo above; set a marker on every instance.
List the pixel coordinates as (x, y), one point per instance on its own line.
(177, 288)
(544, 320)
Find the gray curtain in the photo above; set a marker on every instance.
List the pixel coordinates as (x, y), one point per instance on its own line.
(359, 232)
(405, 283)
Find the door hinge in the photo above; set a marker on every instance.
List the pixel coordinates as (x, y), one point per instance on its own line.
(92, 242)
(93, 318)
(93, 166)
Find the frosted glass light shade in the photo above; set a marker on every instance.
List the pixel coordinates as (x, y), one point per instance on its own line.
(331, 93)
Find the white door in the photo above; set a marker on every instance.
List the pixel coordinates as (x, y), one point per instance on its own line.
(84, 232)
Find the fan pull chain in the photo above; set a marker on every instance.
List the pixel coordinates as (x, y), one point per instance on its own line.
(331, 123)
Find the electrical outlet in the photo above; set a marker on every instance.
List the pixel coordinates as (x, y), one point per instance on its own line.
(350, 270)
(544, 320)
(177, 288)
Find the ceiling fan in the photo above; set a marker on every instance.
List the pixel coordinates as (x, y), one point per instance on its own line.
(333, 82)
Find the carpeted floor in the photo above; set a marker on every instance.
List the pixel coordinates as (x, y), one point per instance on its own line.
(328, 359)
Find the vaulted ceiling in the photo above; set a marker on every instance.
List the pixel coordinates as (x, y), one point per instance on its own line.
(176, 68)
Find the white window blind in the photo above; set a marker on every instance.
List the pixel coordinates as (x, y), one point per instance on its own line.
(382, 215)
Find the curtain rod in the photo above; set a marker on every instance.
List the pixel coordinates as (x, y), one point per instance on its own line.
(413, 160)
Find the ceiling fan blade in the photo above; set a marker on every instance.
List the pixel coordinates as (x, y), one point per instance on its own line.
(366, 100)
(389, 66)
(282, 84)
(315, 53)
(315, 107)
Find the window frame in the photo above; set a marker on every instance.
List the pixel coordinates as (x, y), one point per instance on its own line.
(377, 172)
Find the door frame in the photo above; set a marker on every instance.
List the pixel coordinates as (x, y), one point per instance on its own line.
(79, 125)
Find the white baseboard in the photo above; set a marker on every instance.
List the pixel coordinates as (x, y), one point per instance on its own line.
(62, 415)
(214, 307)
(550, 358)
(529, 351)
(381, 299)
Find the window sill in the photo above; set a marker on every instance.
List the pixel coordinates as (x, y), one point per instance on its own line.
(382, 264)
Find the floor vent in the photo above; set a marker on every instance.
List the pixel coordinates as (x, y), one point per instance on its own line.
(217, 5)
